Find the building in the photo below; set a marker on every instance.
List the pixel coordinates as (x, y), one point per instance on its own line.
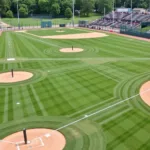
(139, 10)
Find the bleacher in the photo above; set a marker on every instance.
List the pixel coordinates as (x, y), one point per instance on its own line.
(118, 19)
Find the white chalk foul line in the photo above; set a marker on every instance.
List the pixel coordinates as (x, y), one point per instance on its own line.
(87, 116)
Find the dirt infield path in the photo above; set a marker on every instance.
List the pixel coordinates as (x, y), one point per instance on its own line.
(70, 36)
(3, 24)
(77, 36)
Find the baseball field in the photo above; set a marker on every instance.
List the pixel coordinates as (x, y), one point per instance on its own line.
(91, 96)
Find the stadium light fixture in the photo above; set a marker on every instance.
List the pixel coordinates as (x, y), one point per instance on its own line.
(131, 13)
(18, 14)
(113, 11)
(73, 12)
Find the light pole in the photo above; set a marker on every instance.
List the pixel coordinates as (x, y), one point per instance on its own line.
(131, 13)
(113, 11)
(18, 15)
(124, 4)
(104, 11)
(73, 13)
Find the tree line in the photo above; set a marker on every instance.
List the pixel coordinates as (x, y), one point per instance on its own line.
(55, 8)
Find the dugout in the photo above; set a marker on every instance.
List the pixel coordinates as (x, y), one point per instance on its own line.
(62, 25)
(83, 23)
(46, 24)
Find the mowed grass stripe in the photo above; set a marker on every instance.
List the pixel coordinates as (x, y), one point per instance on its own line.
(112, 72)
(64, 105)
(5, 117)
(130, 47)
(121, 70)
(44, 112)
(29, 106)
(2, 46)
(10, 105)
(109, 115)
(17, 104)
(130, 42)
(126, 134)
(9, 46)
(30, 46)
(24, 106)
(91, 107)
(105, 74)
(2, 104)
(39, 40)
(126, 128)
(34, 102)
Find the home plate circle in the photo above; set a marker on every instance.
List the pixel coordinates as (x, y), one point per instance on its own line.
(38, 139)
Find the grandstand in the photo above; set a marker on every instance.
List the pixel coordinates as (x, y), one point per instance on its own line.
(118, 18)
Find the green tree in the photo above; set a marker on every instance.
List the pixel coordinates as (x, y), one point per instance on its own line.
(68, 13)
(44, 5)
(9, 14)
(78, 4)
(107, 4)
(4, 6)
(23, 12)
(55, 10)
(64, 4)
(87, 7)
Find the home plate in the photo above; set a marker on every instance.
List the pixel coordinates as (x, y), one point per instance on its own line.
(11, 59)
(47, 135)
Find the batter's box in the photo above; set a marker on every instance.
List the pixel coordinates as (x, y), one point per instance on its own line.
(34, 144)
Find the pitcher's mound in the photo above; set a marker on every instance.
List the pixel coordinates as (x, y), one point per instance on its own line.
(18, 76)
(70, 50)
(38, 139)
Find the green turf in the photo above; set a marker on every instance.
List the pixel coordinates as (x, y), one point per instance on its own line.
(145, 29)
(60, 31)
(66, 87)
(55, 21)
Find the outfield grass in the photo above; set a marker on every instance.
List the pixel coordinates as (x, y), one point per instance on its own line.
(55, 21)
(66, 87)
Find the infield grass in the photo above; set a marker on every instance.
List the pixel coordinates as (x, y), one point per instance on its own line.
(66, 87)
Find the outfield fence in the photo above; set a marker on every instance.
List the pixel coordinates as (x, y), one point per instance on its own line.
(134, 32)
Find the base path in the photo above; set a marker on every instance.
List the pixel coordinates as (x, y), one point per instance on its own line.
(146, 96)
(77, 36)
(38, 139)
(18, 76)
(70, 50)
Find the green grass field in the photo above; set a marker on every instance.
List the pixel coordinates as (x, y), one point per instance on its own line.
(91, 96)
(145, 29)
(59, 31)
(55, 21)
